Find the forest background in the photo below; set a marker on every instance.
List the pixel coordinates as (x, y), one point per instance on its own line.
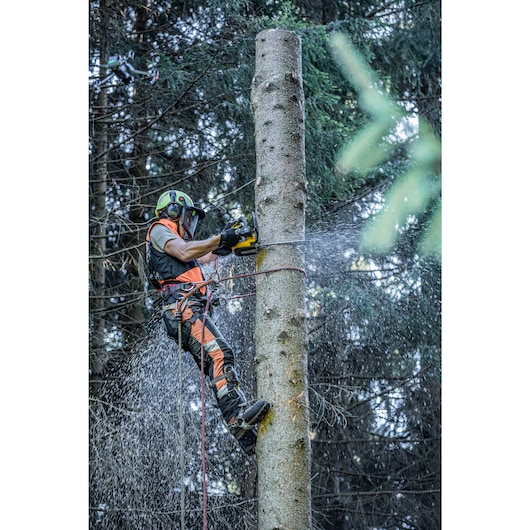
(373, 318)
(54, 371)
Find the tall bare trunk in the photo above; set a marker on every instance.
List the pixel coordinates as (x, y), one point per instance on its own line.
(98, 235)
(283, 450)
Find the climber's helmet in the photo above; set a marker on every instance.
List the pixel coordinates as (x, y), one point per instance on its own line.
(175, 204)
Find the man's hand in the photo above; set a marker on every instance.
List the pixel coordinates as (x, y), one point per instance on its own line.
(229, 238)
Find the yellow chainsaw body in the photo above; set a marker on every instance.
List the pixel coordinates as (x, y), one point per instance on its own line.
(249, 237)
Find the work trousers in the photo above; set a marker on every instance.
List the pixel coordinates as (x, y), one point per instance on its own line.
(201, 336)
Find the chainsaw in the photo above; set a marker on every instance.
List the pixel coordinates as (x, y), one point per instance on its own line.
(248, 238)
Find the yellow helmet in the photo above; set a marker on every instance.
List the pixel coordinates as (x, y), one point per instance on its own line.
(176, 204)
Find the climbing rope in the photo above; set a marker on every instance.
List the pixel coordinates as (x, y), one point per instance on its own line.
(181, 423)
(203, 421)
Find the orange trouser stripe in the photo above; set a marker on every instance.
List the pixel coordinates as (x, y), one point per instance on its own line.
(207, 339)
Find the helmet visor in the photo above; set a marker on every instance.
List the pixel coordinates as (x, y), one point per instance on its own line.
(189, 219)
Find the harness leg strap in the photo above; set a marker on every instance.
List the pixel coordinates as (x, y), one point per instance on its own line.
(229, 374)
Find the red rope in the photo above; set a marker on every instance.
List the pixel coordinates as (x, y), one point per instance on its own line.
(203, 421)
(277, 269)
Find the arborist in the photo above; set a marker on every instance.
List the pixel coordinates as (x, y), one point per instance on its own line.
(174, 262)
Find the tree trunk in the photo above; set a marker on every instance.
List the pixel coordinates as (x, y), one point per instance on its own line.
(283, 450)
(98, 232)
(135, 281)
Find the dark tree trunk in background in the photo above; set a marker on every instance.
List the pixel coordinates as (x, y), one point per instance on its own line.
(98, 230)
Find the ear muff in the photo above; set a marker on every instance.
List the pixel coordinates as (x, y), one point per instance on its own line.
(173, 209)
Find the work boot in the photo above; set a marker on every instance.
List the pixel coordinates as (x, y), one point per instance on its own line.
(244, 426)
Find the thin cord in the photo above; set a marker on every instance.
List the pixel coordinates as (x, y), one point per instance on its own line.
(181, 426)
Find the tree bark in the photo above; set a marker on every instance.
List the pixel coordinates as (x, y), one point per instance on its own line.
(283, 449)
